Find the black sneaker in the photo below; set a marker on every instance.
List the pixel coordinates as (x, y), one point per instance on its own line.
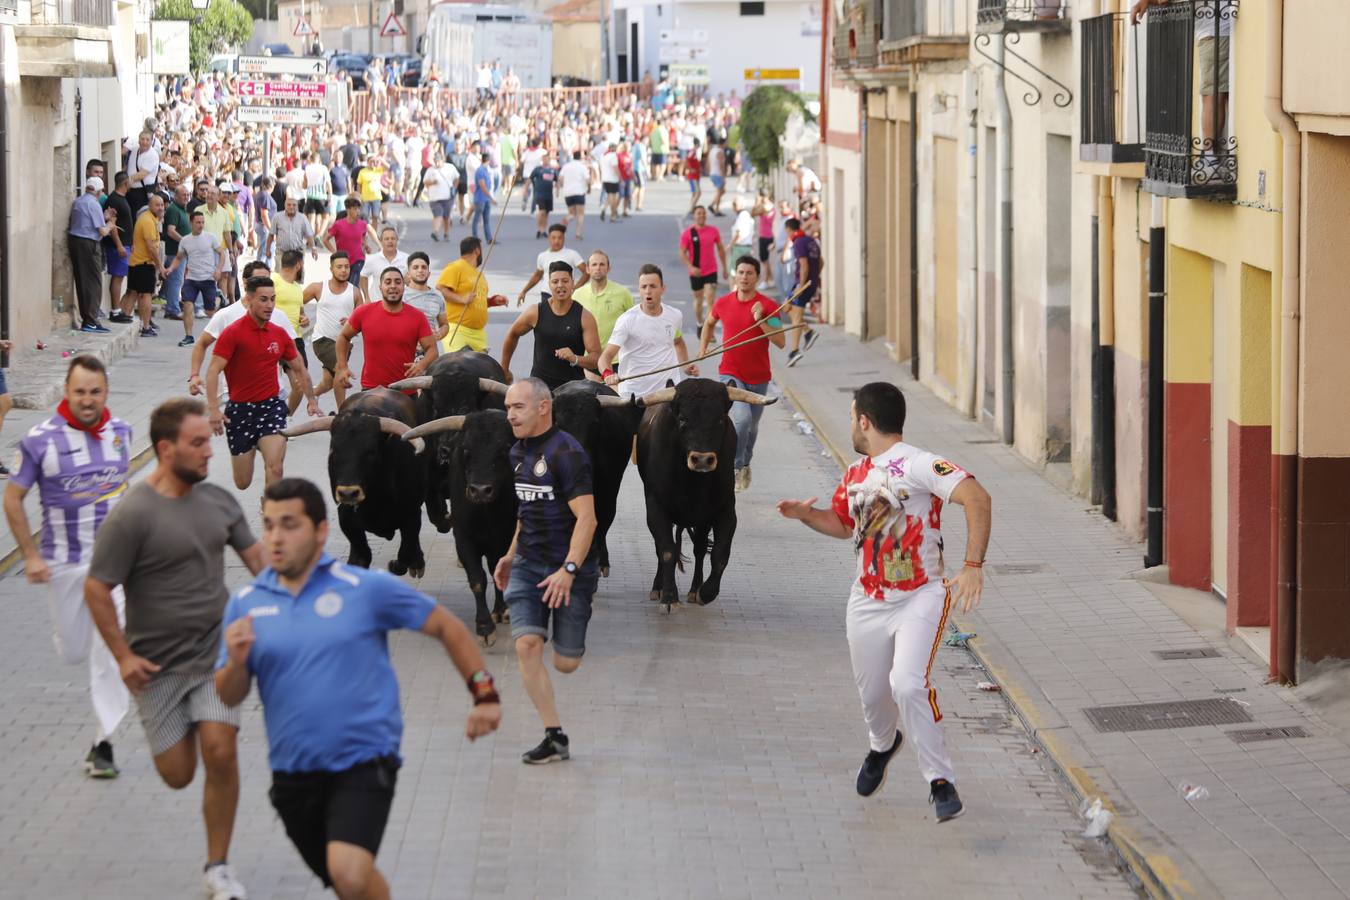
(946, 802)
(809, 339)
(187, 341)
(149, 332)
(551, 749)
(99, 762)
(794, 357)
(872, 775)
(120, 318)
(4, 471)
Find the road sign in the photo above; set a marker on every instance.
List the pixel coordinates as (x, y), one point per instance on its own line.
(282, 65)
(169, 47)
(392, 27)
(669, 53)
(284, 90)
(692, 74)
(283, 115)
(302, 28)
(773, 74)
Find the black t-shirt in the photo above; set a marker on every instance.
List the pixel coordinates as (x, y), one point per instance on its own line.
(550, 470)
(543, 178)
(350, 155)
(124, 223)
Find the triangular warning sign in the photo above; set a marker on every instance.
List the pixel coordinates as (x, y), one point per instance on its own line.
(392, 27)
(303, 28)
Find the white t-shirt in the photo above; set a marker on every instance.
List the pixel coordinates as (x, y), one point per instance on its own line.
(149, 161)
(379, 262)
(440, 181)
(317, 183)
(414, 146)
(609, 167)
(531, 160)
(567, 255)
(575, 178)
(717, 161)
(743, 232)
(295, 183)
(1205, 16)
(647, 343)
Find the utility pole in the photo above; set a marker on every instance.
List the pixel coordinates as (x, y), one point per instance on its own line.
(370, 29)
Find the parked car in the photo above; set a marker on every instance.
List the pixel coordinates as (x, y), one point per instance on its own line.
(410, 67)
(354, 64)
(224, 62)
(277, 50)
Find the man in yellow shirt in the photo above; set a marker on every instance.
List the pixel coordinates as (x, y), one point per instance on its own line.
(370, 183)
(146, 264)
(291, 301)
(466, 298)
(604, 299)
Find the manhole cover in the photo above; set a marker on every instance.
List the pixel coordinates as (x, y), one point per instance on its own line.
(1017, 568)
(1190, 653)
(1155, 716)
(1248, 735)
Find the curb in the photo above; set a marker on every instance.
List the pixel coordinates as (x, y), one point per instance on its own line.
(40, 376)
(1157, 872)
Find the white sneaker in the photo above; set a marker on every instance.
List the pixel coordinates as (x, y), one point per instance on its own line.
(743, 479)
(222, 885)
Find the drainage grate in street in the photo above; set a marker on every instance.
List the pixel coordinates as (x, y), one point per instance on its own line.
(1018, 568)
(1189, 653)
(1155, 716)
(1248, 735)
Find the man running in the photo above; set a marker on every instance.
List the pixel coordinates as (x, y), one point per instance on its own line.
(548, 573)
(574, 181)
(328, 304)
(701, 251)
(248, 353)
(291, 304)
(650, 336)
(557, 237)
(291, 231)
(566, 340)
(609, 180)
(352, 235)
(900, 599)
(224, 318)
(393, 333)
(602, 298)
(329, 694)
(745, 314)
(465, 291)
(420, 295)
(78, 459)
(543, 179)
(806, 268)
(203, 259)
(164, 544)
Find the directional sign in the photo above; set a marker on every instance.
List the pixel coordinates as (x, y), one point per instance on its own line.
(283, 115)
(282, 65)
(284, 90)
(392, 27)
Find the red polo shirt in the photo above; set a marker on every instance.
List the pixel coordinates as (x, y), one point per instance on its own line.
(251, 353)
(750, 363)
(390, 341)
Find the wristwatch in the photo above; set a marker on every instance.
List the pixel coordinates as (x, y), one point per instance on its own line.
(570, 568)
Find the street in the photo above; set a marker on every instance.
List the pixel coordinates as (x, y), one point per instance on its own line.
(713, 750)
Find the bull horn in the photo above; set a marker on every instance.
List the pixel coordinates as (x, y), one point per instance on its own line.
(401, 429)
(665, 395)
(492, 387)
(324, 423)
(608, 400)
(435, 426)
(750, 397)
(420, 383)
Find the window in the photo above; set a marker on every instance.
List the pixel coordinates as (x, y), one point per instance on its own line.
(753, 8)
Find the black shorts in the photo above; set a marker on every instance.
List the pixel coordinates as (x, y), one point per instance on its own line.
(251, 422)
(765, 245)
(699, 282)
(611, 187)
(317, 207)
(576, 200)
(351, 806)
(141, 278)
(544, 202)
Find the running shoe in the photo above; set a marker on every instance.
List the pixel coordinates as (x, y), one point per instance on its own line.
(149, 332)
(809, 339)
(946, 802)
(120, 318)
(794, 357)
(551, 749)
(203, 315)
(174, 316)
(99, 762)
(743, 479)
(872, 774)
(221, 884)
(4, 471)
(100, 328)
(91, 329)
(187, 341)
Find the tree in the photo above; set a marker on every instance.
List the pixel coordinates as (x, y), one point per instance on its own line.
(224, 25)
(764, 119)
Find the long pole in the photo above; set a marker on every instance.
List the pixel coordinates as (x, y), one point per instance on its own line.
(710, 354)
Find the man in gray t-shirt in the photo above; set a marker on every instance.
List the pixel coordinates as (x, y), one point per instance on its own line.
(203, 258)
(164, 543)
(421, 295)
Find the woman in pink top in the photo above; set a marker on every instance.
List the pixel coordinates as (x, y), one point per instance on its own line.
(350, 234)
(763, 213)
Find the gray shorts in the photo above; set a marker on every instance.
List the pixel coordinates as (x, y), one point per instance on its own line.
(175, 701)
(325, 350)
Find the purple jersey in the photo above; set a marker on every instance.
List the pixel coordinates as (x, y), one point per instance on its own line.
(79, 478)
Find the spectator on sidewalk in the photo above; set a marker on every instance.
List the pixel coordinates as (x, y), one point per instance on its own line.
(742, 230)
(806, 263)
(146, 264)
(177, 225)
(117, 246)
(88, 226)
(482, 200)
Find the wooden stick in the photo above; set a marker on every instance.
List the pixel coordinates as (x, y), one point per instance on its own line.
(473, 291)
(793, 296)
(712, 353)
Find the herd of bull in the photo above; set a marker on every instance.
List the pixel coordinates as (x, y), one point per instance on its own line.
(447, 449)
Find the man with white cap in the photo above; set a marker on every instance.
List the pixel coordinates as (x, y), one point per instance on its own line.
(88, 226)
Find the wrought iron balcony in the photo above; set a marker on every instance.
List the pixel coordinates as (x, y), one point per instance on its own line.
(1185, 58)
(1112, 128)
(1001, 16)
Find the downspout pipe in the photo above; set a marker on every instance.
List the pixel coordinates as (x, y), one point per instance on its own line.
(1284, 452)
(1106, 343)
(1157, 294)
(913, 222)
(972, 92)
(1005, 235)
(7, 267)
(866, 168)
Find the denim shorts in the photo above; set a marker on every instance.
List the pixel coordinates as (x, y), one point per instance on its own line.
(530, 615)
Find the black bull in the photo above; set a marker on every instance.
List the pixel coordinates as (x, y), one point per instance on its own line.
(686, 448)
(375, 478)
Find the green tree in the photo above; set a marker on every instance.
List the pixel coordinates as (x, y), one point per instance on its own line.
(224, 26)
(764, 117)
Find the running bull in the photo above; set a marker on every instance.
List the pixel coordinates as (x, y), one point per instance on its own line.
(377, 481)
(685, 448)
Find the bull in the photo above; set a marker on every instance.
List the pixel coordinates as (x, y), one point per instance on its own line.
(603, 424)
(376, 479)
(686, 445)
(482, 501)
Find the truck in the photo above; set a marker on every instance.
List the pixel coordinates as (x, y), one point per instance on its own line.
(459, 36)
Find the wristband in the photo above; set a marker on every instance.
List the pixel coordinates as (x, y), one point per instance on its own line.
(481, 687)
(606, 373)
(974, 565)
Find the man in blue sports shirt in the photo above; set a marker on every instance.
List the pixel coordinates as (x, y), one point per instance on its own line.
(314, 632)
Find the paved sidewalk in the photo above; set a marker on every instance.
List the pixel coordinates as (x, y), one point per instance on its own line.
(1066, 624)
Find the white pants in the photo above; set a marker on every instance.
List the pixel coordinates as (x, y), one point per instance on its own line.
(893, 646)
(77, 639)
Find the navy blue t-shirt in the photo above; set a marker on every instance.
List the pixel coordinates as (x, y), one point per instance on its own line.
(551, 469)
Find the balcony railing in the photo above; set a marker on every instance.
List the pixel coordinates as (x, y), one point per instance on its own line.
(92, 13)
(1112, 128)
(855, 42)
(998, 16)
(1177, 161)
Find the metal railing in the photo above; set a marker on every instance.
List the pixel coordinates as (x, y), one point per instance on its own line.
(992, 16)
(93, 13)
(1105, 116)
(1177, 162)
(365, 103)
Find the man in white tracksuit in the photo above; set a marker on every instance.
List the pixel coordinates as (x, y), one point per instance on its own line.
(890, 503)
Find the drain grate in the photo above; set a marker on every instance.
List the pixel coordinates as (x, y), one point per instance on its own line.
(1189, 653)
(1018, 568)
(1155, 716)
(1249, 735)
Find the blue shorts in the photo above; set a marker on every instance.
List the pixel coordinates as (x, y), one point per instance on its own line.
(693, 185)
(718, 181)
(4, 387)
(529, 614)
(440, 208)
(806, 297)
(199, 292)
(250, 422)
(116, 262)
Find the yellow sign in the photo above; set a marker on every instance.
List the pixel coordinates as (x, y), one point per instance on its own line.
(773, 74)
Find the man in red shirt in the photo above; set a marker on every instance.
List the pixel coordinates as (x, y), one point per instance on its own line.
(248, 352)
(745, 313)
(701, 250)
(693, 173)
(393, 332)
